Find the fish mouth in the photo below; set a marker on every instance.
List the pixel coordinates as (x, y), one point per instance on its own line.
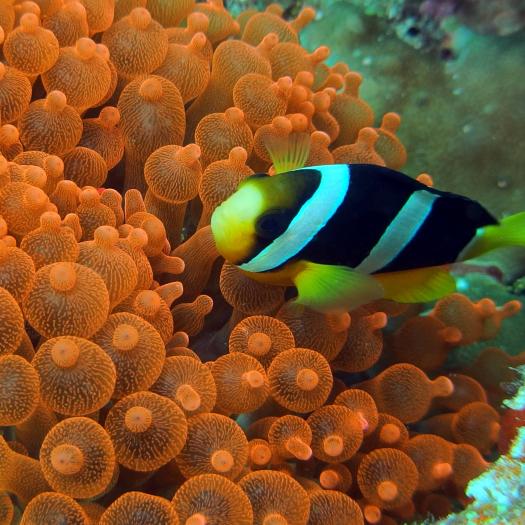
(222, 231)
(229, 238)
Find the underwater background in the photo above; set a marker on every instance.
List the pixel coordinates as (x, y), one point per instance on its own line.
(146, 380)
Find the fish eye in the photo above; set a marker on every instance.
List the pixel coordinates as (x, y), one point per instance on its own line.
(272, 224)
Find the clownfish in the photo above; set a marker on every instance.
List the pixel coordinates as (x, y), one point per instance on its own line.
(348, 234)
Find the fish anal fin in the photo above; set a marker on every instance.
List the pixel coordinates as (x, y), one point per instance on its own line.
(325, 288)
(417, 286)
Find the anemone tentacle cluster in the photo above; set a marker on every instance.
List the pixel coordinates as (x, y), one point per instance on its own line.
(143, 379)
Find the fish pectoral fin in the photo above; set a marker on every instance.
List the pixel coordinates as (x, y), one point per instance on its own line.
(417, 286)
(324, 287)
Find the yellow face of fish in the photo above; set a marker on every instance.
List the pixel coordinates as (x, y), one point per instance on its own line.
(238, 223)
(233, 222)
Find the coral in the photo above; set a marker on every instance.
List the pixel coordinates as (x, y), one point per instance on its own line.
(15, 93)
(91, 212)
(77, 458)
(172, 174)
(388, 145)
(210, 498)
(363, 405)
(476, 321)
(17, 271)
(404, 391)
(433, 457)
(103, 135)
(218, 133)
(362, 151)
(52, 506)
(51, 242)
(77, 377)
(12, 322)
(116, 267)
(133, 245)
(147, 430)
(387, 477)
(262, 337)
(300, 379)
(323, 333)
(187, 382)
(152, 115)
(132, 507)
(99, 14)
(68, 23)
(389, 432)
(150, 380)
(81, 73)
(337, 433)
(336, 476)
(245, 294)
(7, 509)
(291, 437)
(221, 23)
(66, 198)
(19, 392)
(242, 385)
(270, 21)
(259, 454)
(50, 125)
(136, 349)
(145, 37)
(154, 306)
(364, 343)
(350, 111)
(30, 48)
(20, 475)
(216, 445)
(198, 254)
(425, 342)
(329, 506)
(10, 145)
(85, 167)
(231, 60)
(187, 66)
(260, 98)
(189, 317)
(67, 299)
(499, 490)
(276, 498)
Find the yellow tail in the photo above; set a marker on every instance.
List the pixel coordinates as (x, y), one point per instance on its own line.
(509, 232)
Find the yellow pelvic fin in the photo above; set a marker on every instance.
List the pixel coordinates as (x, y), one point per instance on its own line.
(288, 153)
(417, 286)
(324, 288)
(509, 232)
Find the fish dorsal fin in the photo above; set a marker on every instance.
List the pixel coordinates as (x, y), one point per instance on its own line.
(417, 286)
(288, 153)
(324, 287)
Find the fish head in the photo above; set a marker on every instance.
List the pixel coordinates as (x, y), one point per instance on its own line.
(256, 214)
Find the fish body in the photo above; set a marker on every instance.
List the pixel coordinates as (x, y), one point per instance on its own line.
(346, 235)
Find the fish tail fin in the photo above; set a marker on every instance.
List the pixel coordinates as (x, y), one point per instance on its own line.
(509, 232)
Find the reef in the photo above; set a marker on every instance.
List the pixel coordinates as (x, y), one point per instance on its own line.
(446, 79)
(143, 379)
